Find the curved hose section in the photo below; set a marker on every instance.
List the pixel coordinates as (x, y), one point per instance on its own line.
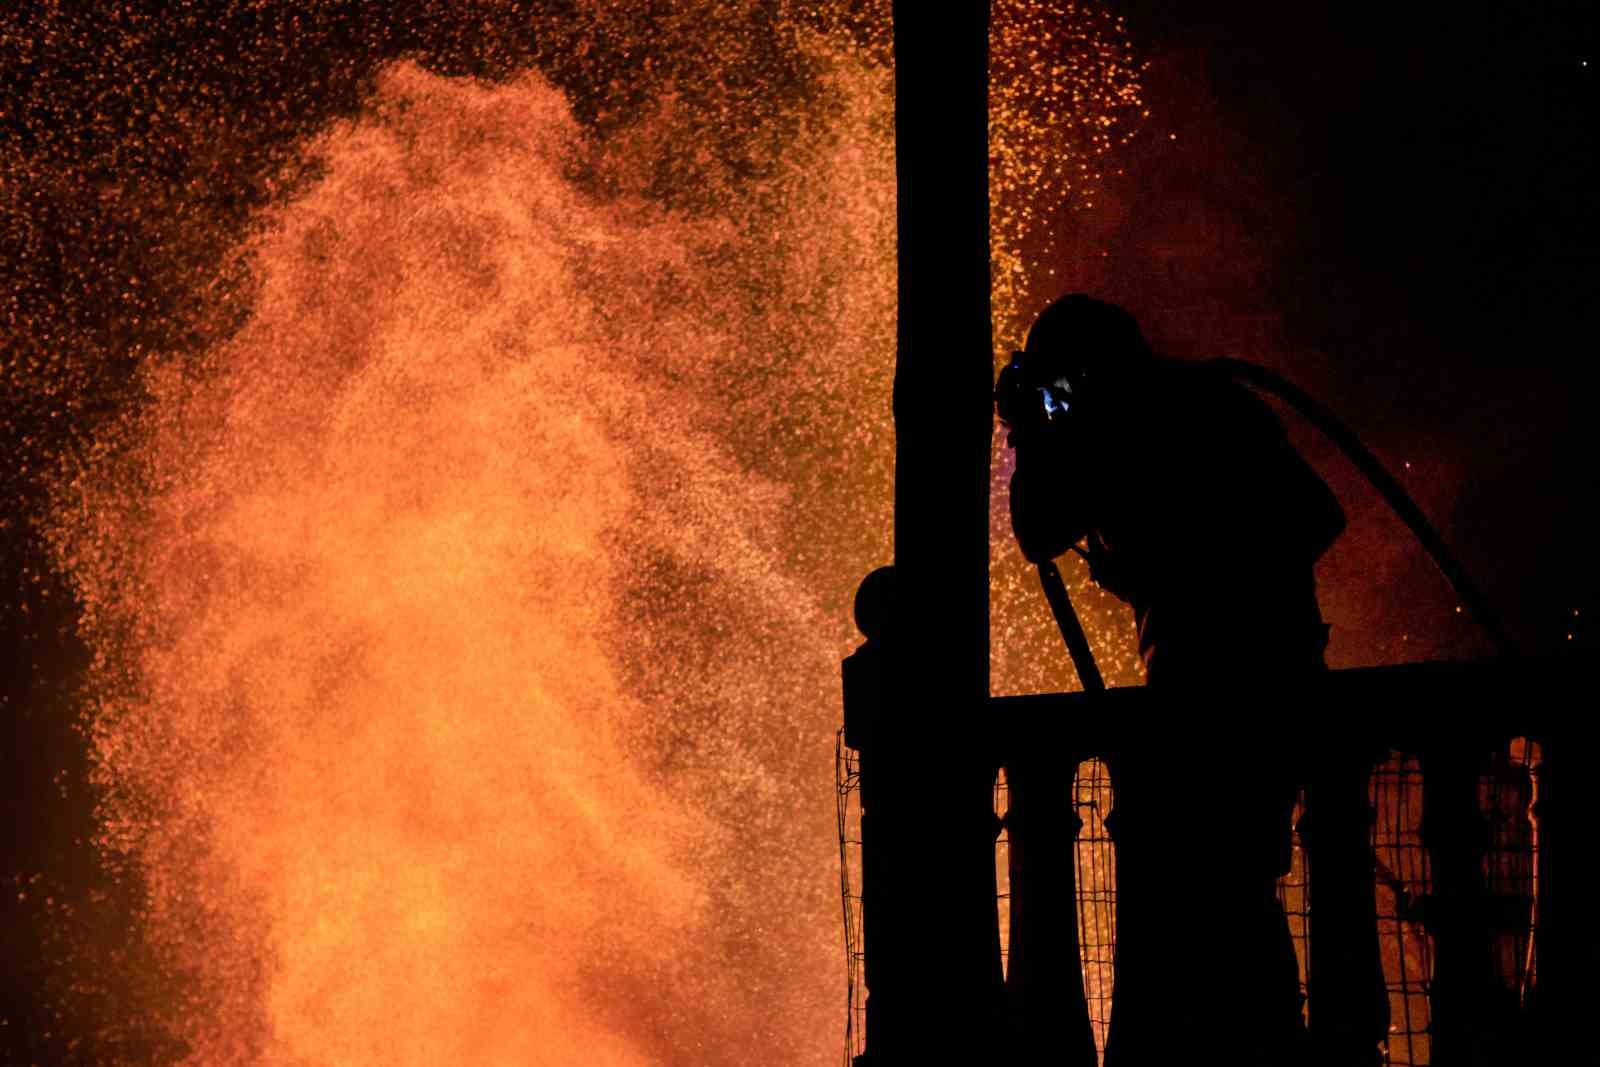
(1055, 592)
(1391, 491)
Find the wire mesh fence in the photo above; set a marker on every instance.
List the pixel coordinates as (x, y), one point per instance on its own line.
(1403, 883)
(1095, 873)
(847, 794)
(1507, 792)
(1294, 895)
(1002, 868)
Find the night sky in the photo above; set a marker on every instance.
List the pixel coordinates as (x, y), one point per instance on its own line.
(1390, 204)
(1393, 206)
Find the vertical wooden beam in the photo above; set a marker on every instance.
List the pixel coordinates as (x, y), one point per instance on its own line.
(935, 989)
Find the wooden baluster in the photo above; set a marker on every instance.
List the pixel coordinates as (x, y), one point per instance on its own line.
(1199, 970)
(1049, 1015)
(1566, 938)
(1349, 1006)
(1505, 798)
(1547, 959)
(1466, 1002)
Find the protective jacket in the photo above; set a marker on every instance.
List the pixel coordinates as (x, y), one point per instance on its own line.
(1200, 515)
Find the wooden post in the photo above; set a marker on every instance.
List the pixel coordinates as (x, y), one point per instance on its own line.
(935, 986)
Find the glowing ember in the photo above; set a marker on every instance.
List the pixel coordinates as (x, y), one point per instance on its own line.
(466, 623)
(1065, 92)
(452, 735)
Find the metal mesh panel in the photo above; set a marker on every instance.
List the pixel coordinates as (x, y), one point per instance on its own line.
(847, 789)
(1096, 874)
(1403, 880)
(1506, 793)
(1002, 869)
(1294, 894)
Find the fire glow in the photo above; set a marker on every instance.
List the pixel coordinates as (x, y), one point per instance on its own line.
(466, 625)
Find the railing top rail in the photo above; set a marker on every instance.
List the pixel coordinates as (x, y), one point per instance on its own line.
(1410, 706)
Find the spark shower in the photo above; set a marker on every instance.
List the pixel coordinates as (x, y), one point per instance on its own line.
(465, 618)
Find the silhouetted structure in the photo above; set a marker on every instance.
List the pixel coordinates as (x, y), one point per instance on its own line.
(929, 820)
(931, 742)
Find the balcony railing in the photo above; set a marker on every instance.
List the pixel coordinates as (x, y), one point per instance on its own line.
(1437, 890)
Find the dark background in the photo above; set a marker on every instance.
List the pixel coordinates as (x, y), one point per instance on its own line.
(1392, 205)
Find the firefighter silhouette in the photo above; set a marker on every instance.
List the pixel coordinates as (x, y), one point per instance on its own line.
(1186, 497)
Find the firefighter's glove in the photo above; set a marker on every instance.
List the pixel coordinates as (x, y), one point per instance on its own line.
(1041, 518)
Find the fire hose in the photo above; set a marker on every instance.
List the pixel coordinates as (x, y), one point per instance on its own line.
(1475, 603)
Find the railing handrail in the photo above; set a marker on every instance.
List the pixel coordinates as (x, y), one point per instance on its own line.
(1408, 706)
